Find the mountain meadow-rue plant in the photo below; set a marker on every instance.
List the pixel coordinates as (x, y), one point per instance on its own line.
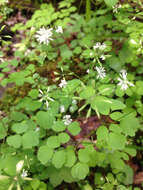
(73, 112)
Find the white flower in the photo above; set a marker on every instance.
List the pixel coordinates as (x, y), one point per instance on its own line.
(62, 108)
(24, 173)
(63, 83)
(44, 97)
(19, 166)
(37, 129)
(100, 46)
(101, 72)
(91, 54)
(59, 29)
(103, 57)
(87, 70)
(1, 59)
(123, 81)
(116, 7)
(44, 35)
(74, 102)
(67, 119)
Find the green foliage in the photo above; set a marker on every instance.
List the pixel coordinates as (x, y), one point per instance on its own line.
(74, 110)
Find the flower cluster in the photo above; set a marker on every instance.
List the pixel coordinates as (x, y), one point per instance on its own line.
(67, 119)
(44, 35)
(99, 46)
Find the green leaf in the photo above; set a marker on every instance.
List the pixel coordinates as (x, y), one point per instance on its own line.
(58, 126)
(53, 142)
(83, 155)
(33, 93)
(45, 154)
(87, 92)
(35, 183)
(111, 3)
(63, 138)
(30, 139)
(3, 131)
(117, 105)
(101, 104)
(129, 125)
(20, 127)
(45, 119)
(17, 116)
(70, 157)
(59, 158)
(14, 141)
(102, 133)
(74, 128)
(80, 170)
(106, 89)
(116, 116)
(116, 141)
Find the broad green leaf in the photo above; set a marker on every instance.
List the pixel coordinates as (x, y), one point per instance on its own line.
(74, 128)
(45, 119)
(3, 131)
(87, 92)
(14, 141)
(45, 154)
(99, 179)
(116, 141)
(101, 104)
(117, 105)
(80, 170)
(102, 133)
(84, 155)
(129, 125)
(53, 142)
(63, 138)
(59, 126)
(106, 89)
(33, 93)
(115, 128)
(20, 127)
(70, 157)
(116, 116)
(30, 139)
(59, 158)
(35, 183)
(17, 116)
(110, 3)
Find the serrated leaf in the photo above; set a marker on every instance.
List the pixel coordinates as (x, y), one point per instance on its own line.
(30, 139)
(59, 158)
(14, 141)
(74, 128)
(53, 142)
(63, 138)
(45, 154)
(80, 170)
